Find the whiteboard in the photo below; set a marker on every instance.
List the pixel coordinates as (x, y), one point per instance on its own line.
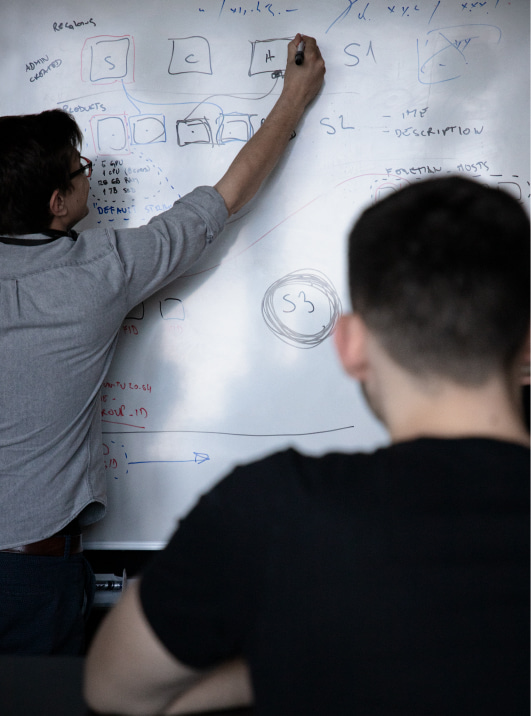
(236, 359)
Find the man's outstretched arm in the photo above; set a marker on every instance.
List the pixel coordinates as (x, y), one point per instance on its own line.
(260, 154)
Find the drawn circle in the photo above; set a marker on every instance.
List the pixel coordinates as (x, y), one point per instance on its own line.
(123, 188)
(302, 308)
(115, 459)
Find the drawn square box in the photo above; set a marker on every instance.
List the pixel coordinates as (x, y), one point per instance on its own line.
(190, 54)
(172, 309)
(511, 187)
(449, 52)
(193, 131)
(109, 133)
(234, 128)
(147, 129)
(136, 313)
(108, 59)
(268, 56)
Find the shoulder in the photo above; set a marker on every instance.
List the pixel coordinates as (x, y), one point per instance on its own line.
(283, 477)
(287, 477)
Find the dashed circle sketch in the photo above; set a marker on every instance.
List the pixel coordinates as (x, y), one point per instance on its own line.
(302, 308)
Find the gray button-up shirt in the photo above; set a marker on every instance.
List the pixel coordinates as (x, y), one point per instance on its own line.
(61, 306)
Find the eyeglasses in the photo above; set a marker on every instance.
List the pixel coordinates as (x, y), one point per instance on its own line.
(85, 169)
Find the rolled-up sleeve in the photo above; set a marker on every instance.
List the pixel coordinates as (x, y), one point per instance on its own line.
(155, 254)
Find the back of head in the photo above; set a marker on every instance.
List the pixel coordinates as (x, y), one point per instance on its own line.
(36, 152)
(440, 273)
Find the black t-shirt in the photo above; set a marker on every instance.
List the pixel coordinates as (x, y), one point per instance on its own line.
(388, 583)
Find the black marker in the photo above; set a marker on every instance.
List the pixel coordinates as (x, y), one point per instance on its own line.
(299, 55)
(109, 585)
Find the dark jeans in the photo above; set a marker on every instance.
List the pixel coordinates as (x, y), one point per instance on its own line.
(44, 603)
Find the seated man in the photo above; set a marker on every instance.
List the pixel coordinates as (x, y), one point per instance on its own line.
(395, 582)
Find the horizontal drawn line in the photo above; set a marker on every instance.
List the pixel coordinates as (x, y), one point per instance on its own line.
(114, 422)
(238, 435)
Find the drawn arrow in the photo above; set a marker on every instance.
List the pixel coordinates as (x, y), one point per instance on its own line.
(198, 458)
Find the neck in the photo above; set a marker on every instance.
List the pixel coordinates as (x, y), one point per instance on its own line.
(413, 407)
(59, 225)
(449, 410)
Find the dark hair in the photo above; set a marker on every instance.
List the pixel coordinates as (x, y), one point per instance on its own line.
(36, 152)
(440, 273)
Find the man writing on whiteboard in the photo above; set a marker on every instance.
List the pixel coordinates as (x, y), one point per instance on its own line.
(393, 582)
(64, 298)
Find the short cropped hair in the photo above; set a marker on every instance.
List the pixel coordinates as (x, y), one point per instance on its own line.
(439, 271)
(36, 152)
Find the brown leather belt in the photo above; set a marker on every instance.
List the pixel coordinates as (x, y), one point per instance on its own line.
(53, 546)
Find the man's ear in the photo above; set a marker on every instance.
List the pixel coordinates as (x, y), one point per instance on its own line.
(57, 204)
(350, 337)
